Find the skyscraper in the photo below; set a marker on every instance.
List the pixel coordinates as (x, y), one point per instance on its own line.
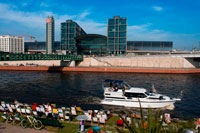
(117, 35)
(69, 31)
(50, 33)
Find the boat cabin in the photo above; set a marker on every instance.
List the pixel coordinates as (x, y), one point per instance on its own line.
(119, 88)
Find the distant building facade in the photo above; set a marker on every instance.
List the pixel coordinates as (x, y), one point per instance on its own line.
(91, 44)
(50, 34)
(69, 31)
(117, 35)
(149, 45)
(39, 47)
(11, 44)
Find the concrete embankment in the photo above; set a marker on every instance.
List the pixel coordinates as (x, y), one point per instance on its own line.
(161, 61)
(99, 69)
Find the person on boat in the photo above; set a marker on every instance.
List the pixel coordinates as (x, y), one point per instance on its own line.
(111, 84)
(113, 88)
(197, 124)
(123, 89)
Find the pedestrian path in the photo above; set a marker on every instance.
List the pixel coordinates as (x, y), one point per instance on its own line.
(7, 128)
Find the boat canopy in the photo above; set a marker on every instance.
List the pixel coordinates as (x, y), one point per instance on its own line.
(114, 81)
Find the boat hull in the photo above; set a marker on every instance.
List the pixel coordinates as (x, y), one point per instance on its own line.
(144, 104)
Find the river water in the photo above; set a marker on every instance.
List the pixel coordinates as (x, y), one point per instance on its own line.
(84, 88)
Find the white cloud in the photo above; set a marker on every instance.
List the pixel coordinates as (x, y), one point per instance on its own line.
(143, 32)
(36, 20)
(146, 33)
(29, 19)
(157, 8)
(84, 14)
(93, 27)
(139, 27)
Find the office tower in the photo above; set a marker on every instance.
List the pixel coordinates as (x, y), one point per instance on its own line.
(117, 35)
(50, 34)
(12, 44)
(69, 31)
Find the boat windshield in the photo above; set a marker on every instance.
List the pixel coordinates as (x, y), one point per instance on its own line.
(147, 93)
(126, 85)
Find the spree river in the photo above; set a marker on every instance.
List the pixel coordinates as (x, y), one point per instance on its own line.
(84, 88)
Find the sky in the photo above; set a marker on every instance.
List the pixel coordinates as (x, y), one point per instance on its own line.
(148, 20)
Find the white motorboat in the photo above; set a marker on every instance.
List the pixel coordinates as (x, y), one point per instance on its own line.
(119, 93)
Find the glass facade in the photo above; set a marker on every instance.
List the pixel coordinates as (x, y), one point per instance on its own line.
(70, 30)
(91, 44)
(149, 45)
(117, 35)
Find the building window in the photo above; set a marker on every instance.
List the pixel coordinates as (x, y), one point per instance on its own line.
(111, 22)
(111, 28)
(122, 27)
(122, 34)
(122, 21)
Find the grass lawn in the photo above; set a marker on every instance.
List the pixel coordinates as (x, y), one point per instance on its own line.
(112, 121)
(73, 127)
(69, 128)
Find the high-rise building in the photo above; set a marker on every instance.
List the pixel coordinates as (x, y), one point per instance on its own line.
(69, 31)
(50, 34)
(117, 35)
(12, 44)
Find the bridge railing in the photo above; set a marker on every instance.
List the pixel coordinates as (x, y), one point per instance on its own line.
(21, 57)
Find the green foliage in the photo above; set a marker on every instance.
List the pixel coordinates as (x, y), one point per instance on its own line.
(112, 120)
(154, 124)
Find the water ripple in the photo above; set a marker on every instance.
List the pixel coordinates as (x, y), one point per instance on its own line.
(84, 89)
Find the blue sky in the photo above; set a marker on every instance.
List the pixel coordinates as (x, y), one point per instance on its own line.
(153, 20)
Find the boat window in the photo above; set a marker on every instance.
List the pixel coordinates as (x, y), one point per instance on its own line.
(136, 95)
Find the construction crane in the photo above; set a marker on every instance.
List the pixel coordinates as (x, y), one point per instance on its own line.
(31, 37)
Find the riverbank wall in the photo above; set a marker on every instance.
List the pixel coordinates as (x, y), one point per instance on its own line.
(99, 69)
(136, 64)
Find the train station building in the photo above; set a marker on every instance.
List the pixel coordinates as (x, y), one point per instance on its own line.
(74, 40)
